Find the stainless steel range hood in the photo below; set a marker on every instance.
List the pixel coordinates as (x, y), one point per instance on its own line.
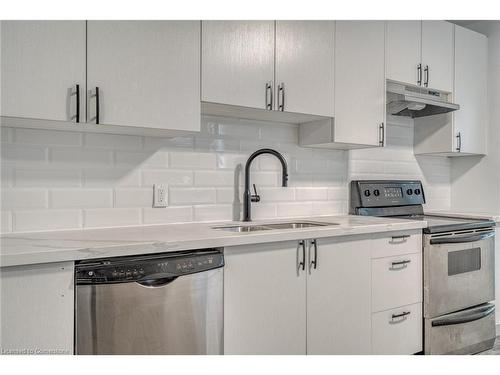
(414, 101)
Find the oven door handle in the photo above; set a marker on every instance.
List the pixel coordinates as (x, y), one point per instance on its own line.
(466, 316)
(479, 237)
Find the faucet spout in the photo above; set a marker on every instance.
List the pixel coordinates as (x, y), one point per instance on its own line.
(247, 195)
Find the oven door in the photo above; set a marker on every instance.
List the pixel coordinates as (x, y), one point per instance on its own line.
(458, 270)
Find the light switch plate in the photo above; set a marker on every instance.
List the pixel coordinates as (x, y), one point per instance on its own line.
(160, 195)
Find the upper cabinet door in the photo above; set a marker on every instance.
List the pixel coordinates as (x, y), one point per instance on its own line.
(42, 62)
(339, 297)
(359, 82)
(237, 62)
(304, 66)
(403, 48)
(471, 69)
(147, 72)
(437, 55)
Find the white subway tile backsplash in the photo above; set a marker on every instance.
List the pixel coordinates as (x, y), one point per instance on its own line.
(192, 160)
(81, 198)
(213, 212)
(62, 180)
(167, 215)
(214, 178)
(133, 197)
(111, 217)
(112, 141)
(38, 220)
(294, 209)
(311, 194)
(186, 196)
(47, 137)
(24, 198)
(79, 157)
(169, 177)
(45, 177)
(111, 177)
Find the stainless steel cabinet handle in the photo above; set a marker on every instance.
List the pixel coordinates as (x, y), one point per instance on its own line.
(313, 264)
(399, 265)
(381, 134)
(399, 239)
(459, 142)
(269, 96)
(403, 315)
(426, 71)
(419, 74)
(302, 264)
(77, 117)
(281, 94)
(97, 105)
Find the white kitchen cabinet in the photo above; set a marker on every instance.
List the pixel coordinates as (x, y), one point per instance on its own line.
(264, 299)
(339, 297)
(437, 55)
(462, 132)
(471, 85)
(147, 72)
(237, 62)
(398, 331)
(37, 309)
(403, 50)
(359, 82)
(305, 67)
(42, 62)
(359, 90)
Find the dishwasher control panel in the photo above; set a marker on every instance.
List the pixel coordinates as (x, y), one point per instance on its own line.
(128, 269)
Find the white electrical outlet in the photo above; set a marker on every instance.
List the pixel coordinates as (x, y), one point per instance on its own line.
(160, 195)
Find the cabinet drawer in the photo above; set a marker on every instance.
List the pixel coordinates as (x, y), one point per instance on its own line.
(397, 243)
(397, 331)
(396, 281)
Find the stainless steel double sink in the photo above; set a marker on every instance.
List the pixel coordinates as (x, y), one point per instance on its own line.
(286, 225)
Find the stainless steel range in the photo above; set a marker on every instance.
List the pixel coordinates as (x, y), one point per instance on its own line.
(459, 274)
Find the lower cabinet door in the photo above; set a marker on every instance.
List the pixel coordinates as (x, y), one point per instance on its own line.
(339, 297)
(398, 331)
(264, 299)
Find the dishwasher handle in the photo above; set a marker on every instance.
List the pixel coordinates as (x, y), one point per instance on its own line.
(157, 283)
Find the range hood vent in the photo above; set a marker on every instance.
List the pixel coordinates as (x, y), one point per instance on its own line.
(413, 101)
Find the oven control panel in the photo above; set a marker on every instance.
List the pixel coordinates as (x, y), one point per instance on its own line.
(371, 193)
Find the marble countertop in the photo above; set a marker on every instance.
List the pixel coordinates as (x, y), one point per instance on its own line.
(70, 245)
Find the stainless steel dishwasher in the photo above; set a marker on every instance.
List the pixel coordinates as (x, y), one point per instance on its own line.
(168, 303)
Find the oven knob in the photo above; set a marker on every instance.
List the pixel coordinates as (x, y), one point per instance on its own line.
(410, 192)
(417, 191)
(376, 192)
(91, 273)
(367, 193)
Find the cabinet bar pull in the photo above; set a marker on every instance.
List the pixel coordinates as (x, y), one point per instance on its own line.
(314, 263)
(403, 315)
(97, 105)
(302, 264)
(426, 71)
(77, 118)
(381, 134)
(281, 93)
(459, 142)
(419, 74)
(402, 238)
(399, 265)
(269, 96)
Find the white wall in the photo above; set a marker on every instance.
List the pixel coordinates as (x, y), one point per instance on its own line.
(62, 180)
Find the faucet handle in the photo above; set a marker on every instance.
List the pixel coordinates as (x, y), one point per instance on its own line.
(255, 197)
